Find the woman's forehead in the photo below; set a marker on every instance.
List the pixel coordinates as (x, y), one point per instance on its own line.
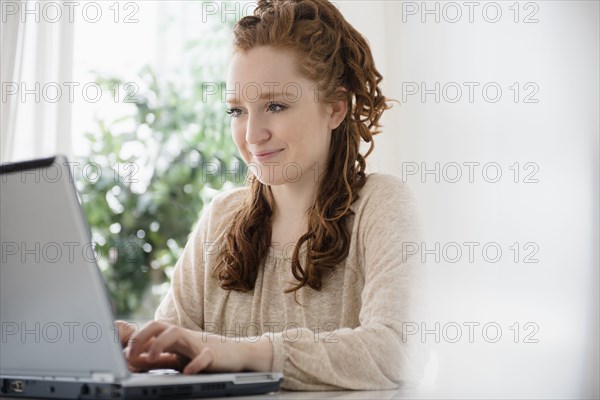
(264, 64)
(290, 92)
(264, 73)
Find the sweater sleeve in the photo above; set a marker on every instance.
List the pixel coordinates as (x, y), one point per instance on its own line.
(183, 304)
(374, 355)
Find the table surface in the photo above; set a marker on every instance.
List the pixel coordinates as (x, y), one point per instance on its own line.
(341, 395)
(338, 395)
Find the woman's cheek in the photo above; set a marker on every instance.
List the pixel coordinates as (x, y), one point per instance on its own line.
(240, 143)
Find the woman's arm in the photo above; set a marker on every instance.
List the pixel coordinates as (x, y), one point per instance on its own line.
(175, 306)
(176, 339)
(159, 344)
(183, 305)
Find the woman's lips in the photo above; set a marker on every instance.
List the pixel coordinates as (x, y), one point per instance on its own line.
(267, 156)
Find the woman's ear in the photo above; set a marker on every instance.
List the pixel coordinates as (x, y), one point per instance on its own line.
(339, 108)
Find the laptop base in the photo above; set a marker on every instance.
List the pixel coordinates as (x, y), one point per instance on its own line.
(28, 388)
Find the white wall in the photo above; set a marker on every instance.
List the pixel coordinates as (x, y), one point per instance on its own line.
(558, 54)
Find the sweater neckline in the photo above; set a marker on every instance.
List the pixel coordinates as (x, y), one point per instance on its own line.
(286, 253)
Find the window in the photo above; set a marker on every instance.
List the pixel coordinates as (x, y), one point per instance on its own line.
(152, 136)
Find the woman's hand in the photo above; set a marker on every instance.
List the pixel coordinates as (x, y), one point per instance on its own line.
(161, 345)
(125, 331)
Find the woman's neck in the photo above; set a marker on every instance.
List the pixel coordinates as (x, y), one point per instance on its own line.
(293, 200)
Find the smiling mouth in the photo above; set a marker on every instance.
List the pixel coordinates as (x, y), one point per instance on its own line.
(266, 155)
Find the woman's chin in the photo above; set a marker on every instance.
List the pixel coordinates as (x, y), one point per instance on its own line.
(271, 182)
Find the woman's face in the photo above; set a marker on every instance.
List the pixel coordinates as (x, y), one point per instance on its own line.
(280, 129)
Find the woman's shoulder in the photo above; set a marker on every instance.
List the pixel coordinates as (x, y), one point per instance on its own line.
(386, 188)
(385, 198)
(380, 178)
(228, 199)
(387, 206)
(222, 208)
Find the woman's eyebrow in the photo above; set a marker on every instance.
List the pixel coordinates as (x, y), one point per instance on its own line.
(254, 99)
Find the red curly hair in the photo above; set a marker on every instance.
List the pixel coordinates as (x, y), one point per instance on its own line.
(331, 53)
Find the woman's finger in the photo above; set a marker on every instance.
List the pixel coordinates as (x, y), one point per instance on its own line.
(138, 340)
(143, 351)
(172, 340)
(125, 330)
(200, 362)
(143, 348)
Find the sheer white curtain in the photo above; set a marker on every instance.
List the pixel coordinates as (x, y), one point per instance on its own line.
(36, 72)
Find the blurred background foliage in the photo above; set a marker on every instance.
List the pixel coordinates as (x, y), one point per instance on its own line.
(150, 171)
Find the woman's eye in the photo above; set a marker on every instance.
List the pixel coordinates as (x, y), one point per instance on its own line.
(234, 112)
(276, 107)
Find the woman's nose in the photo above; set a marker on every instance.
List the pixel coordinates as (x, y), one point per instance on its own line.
(256, 130)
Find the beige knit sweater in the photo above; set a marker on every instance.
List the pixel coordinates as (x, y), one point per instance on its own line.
(350, 334)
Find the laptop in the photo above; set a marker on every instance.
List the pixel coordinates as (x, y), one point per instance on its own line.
(57, 327)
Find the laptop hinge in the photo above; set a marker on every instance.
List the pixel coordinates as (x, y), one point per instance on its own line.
(103, 377)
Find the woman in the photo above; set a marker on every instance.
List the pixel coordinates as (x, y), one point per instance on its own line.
(302, 270)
